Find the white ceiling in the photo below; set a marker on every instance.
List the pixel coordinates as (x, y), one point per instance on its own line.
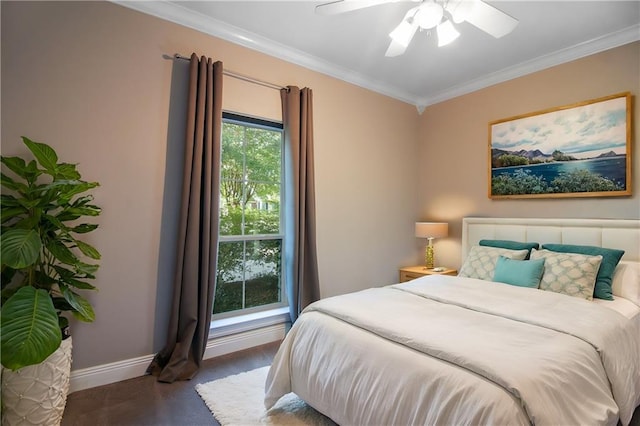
(351, 46)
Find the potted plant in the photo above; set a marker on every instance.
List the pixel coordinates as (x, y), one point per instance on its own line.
(44, 264)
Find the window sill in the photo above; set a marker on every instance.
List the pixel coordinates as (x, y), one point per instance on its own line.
(248, 322)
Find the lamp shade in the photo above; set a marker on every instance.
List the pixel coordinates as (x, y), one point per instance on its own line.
(432, 229)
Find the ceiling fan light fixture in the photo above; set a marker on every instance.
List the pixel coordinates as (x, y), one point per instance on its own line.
(446, 33)
(429, 15)
(403, 33)
(460, 10)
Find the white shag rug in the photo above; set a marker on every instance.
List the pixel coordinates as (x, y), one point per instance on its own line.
(239, 401)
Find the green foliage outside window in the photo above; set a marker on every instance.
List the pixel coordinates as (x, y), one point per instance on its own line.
(250, 163)
(249, 266)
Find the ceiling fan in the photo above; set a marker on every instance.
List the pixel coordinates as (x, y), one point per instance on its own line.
(429, 14)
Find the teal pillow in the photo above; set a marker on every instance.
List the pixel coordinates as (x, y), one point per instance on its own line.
(511, 245)
(522, 273)
(610, 259)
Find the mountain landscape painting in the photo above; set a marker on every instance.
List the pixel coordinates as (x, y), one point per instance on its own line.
(580, 150)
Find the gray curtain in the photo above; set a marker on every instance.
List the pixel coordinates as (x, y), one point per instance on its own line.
(300, 248)
(197, 252)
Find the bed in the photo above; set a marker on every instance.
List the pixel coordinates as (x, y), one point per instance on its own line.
(466, 350)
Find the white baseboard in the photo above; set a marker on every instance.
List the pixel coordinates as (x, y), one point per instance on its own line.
(91, 377)
(86, 378)
(248, 339)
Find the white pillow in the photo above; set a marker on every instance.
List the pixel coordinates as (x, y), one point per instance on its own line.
(481, 261)
(626, 281)
(572, 274)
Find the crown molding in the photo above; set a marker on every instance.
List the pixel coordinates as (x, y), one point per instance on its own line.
(581, 50)
(178, 14)
(174, 12)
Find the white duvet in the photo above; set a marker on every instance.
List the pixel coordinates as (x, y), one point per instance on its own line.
(453, 350)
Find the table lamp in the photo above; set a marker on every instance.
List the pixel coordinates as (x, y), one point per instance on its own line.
(431, 230)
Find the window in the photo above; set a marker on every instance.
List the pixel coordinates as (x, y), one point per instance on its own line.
(249, 275)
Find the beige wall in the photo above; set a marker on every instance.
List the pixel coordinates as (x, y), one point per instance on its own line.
(454, 137)
(90, 79)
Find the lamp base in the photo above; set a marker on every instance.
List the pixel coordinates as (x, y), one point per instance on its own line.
(428, 255)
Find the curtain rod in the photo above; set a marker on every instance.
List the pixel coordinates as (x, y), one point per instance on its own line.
(240, 76)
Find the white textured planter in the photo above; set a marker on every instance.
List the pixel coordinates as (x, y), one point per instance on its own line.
(37, 394)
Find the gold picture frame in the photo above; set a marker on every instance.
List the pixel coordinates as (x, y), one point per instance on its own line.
(579, 150)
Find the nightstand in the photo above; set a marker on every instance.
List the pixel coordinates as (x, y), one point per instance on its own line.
(412, 272)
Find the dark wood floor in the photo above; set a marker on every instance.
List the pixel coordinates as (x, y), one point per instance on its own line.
(145, 401)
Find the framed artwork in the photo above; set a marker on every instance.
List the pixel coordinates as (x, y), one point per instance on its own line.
(579, 150)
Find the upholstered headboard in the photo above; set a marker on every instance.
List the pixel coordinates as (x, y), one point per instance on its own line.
(621, 234)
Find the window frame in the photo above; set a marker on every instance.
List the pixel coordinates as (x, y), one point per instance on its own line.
(270, 125)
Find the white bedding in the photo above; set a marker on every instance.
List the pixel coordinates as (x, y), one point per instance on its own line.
(621, 305)
(452, 350)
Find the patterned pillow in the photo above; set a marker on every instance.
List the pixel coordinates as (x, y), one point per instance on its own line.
(568, 273)
(481, 261)
(511, 245)
(610, 258)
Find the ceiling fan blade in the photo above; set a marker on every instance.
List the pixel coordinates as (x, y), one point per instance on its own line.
(395, 49)
(342, 6)
(491, 20)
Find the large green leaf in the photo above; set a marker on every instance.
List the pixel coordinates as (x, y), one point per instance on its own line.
(30, 331)
(82, 308)
(45, 155)
(20, 247)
